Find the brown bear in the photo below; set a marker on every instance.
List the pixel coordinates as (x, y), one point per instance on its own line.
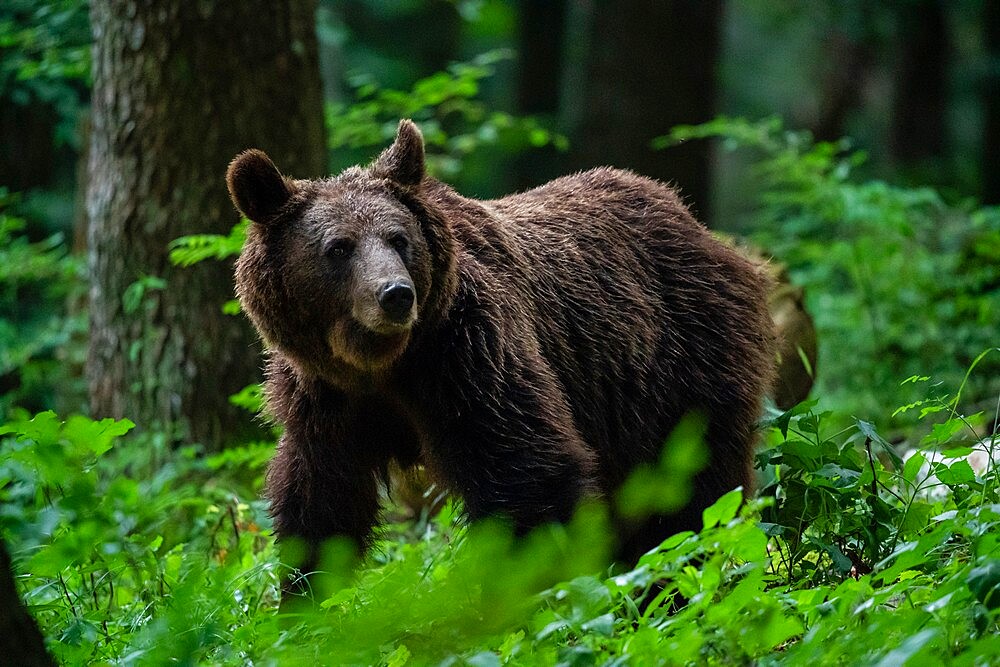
(531, 351)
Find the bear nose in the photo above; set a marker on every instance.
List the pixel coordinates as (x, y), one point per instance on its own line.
(396, 299)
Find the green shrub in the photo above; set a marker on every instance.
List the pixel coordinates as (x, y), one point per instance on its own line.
(40, 342)
(132, 552)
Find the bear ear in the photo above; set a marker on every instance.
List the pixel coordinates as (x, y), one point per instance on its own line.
(256, 186)
(403, 161)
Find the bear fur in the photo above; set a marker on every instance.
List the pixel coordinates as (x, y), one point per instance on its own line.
(531, 351)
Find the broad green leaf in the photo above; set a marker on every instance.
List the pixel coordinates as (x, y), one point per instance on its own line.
(398, 657)
(723, 510)
(984, 582)
(957, 452)
(959, 472)
(912, 466)
(868, 429)
(908, 649)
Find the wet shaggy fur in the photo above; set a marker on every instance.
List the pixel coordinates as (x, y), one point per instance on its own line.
(556, 339)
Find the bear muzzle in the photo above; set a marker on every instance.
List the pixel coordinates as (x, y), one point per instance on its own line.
(396, 300)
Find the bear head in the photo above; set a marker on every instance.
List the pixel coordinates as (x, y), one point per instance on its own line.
(337, 273)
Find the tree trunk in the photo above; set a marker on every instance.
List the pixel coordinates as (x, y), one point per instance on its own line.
(541, 32)
(20, 641)
(179, 88)
(649, 66)
(991, 105)
(921, 98)
(842, 83)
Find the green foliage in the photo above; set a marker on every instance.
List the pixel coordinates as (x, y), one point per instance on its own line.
(123, 542)
(658, 489)
(445, 105)
(899, 282)
(45, 57)
(189, 250)
(134, 553)
(37, 281)
(132, 298)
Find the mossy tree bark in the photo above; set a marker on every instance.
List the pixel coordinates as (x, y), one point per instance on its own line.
(179, 88)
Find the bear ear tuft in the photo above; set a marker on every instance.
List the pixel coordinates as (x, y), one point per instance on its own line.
(403, 161)
(256, 186)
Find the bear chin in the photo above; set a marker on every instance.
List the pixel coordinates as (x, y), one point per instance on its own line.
(366, 349)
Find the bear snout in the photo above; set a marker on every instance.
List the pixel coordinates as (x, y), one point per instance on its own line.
(396, 300)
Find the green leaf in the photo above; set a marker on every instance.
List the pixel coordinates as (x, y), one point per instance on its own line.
(868, 429)
(943, 432)
(135, 293)
(98, 437)
(43, 428)
(907, 649)
(250, 398)
(399, 657)
(841, 562)
(772, 529)
(801, 455)
(603, 625)
(984, 582)
(667, 488)
(782, 421)
(484, 659)
(841, 476)
(957, 453)
(959, 472)
(588, 595)
(510, 644)
(917, 517)
(195, 248)
(723, 510)
(912, 467)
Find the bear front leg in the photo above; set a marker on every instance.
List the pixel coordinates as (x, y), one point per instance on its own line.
(313, 501)
(322, 483)
(508, 443)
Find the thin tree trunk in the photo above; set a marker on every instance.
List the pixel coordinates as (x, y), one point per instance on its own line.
(541, 33)
(649, 66)
(991, 104)
(20, 641)
(921, 98)
(179, 88)
(842, 84)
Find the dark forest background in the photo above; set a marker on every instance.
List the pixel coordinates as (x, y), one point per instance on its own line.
(913, 81)
(510, 94)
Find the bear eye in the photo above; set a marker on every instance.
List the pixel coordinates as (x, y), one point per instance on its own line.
(399, 242)
(340, 248)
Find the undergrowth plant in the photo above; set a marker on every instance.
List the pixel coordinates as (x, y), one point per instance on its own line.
(131, 552)
(38, 280)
